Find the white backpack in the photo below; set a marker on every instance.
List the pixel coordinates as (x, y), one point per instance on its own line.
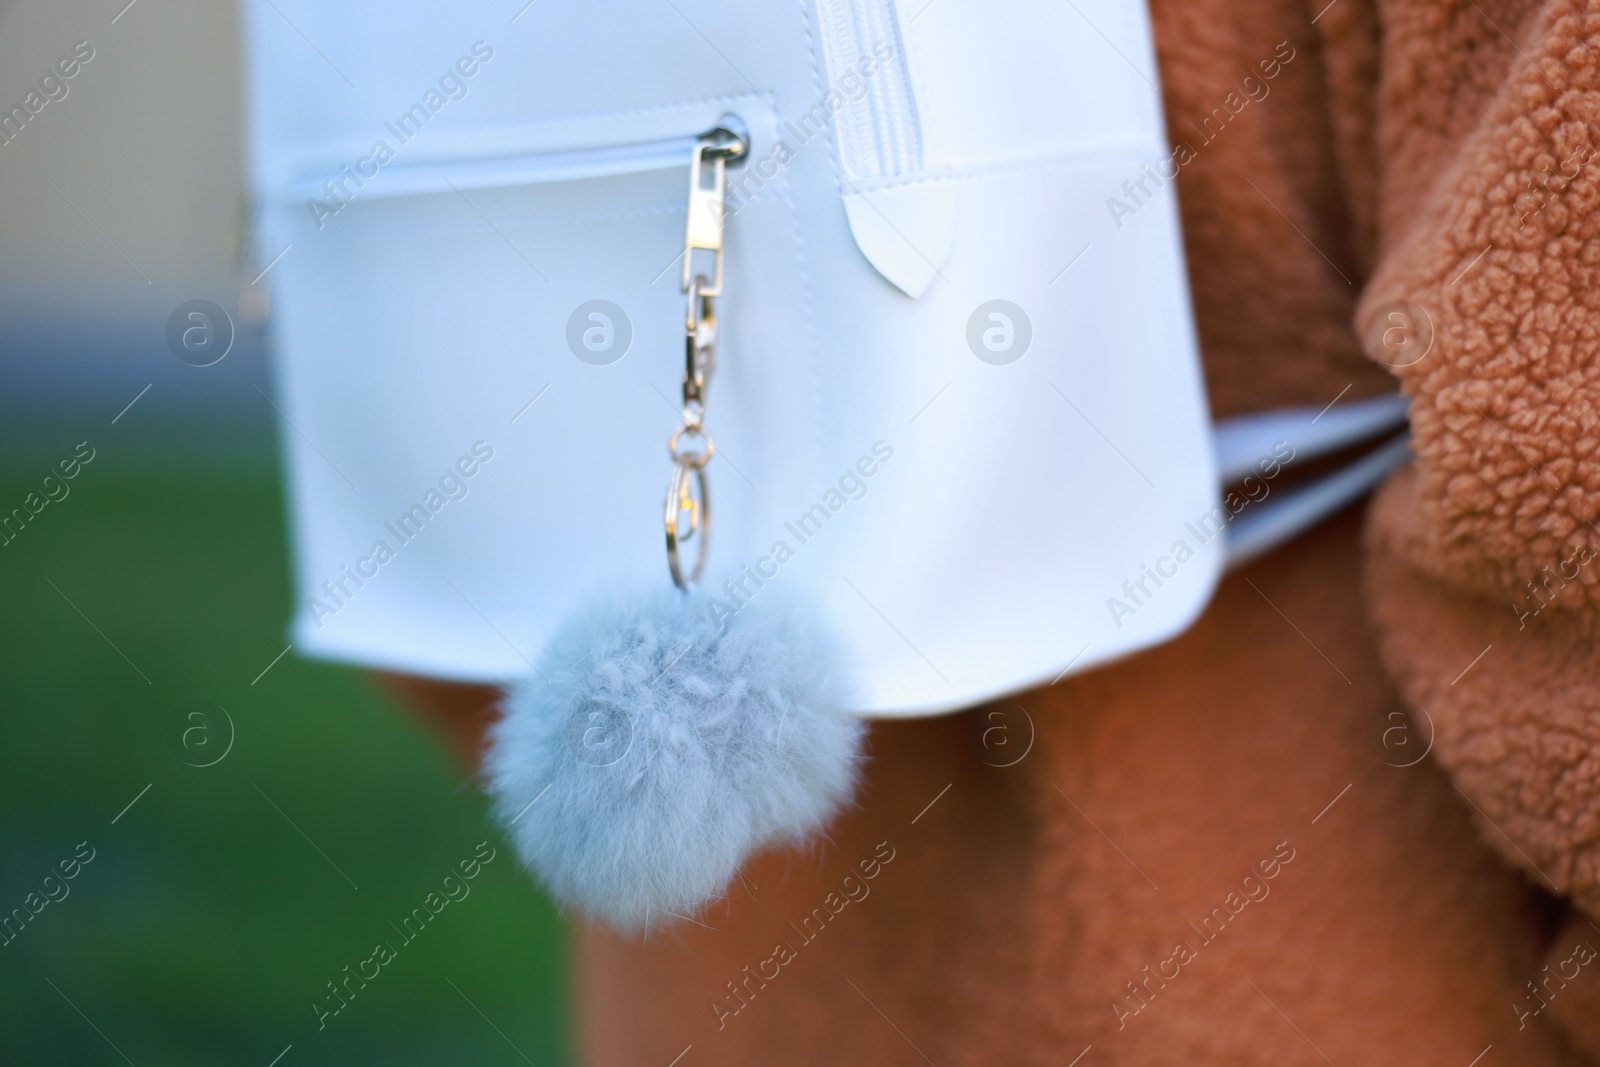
(913, 266)
(956, 398)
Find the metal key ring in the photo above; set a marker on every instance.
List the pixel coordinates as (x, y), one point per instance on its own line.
(700, 524)
(694, 460)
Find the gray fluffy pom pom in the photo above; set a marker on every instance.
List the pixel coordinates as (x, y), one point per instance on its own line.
(660, 744)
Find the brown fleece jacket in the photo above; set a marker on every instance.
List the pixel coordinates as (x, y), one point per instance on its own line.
(1486, 546)
(1311, 829)
(1481, 573)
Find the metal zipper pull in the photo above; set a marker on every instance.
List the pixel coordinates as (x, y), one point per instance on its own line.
(726, 143)
(688, 503)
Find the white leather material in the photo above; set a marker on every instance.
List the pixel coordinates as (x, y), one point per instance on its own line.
(1027, 457)
(903, 219)
(905, 231)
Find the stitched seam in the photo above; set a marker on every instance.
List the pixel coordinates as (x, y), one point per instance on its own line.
(818, 428)
(979, 171)
(452, 228)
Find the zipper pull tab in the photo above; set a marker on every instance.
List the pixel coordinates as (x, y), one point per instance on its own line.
(726, 143)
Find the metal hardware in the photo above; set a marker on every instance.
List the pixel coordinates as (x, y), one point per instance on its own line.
(708, 186)
(682, 501)
(724, 145)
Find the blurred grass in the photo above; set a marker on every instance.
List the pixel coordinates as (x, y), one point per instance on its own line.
(207, 925)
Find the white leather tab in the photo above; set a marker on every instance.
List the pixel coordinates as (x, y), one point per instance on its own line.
(902, 215)
(905, 231)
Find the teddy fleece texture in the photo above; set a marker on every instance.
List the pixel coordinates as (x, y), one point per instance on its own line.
(1353, 815)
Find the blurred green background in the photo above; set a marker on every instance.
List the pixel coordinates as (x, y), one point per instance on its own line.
(206, 925)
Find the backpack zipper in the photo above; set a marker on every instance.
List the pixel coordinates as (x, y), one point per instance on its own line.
(536, 168)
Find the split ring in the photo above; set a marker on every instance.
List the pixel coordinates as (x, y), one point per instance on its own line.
(695, 460)
(699, 516)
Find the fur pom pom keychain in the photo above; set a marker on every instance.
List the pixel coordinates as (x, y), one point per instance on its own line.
(660, 743)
